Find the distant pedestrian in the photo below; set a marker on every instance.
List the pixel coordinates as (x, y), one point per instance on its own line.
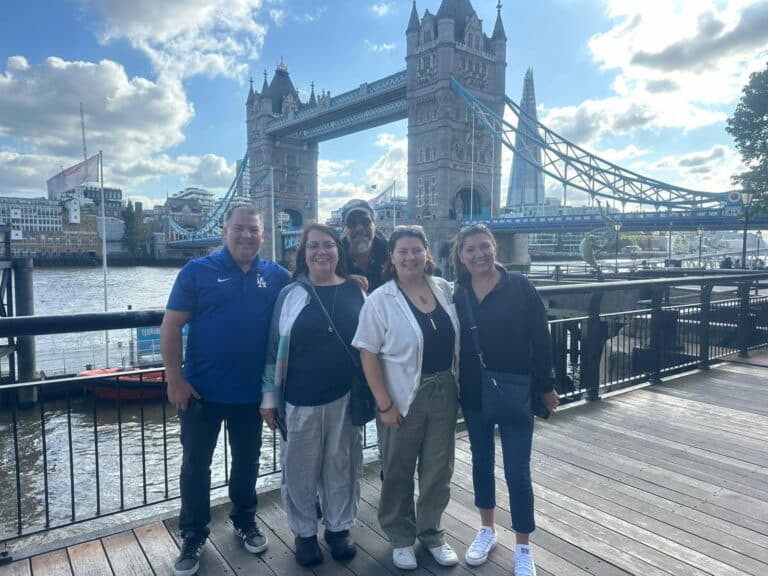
(226, 299)
(507, 315)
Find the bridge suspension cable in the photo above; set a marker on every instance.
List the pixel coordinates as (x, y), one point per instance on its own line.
(214, 223)
(575, 167)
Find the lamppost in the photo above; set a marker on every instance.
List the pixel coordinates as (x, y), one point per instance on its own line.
(746, 199)
(701, 235)
(617, 228)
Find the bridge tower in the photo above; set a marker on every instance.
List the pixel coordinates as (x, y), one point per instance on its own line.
(288, 163)
(449, 178)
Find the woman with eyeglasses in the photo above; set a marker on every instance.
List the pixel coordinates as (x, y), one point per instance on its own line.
(514, 338)
(306, 394)
(408, 341)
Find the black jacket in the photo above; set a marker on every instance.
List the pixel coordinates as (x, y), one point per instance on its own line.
(514, 336)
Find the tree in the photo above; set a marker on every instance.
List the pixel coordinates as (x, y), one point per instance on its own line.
(749, 128)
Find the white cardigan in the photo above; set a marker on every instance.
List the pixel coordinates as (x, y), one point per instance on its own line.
(388, 328)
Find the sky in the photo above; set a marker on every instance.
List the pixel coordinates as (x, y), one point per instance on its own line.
(646, 84)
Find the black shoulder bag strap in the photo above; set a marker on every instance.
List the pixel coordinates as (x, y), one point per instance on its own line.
(313, 294)
(473, 327)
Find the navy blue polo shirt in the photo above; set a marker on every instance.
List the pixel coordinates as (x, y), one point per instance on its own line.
(229, 325)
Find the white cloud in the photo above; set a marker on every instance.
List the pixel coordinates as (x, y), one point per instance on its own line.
(379, 48)
(277, 16)
(211, 172)
(678, 65)
(392, 165)
(189, 37)
(382, 9)
(40, 106)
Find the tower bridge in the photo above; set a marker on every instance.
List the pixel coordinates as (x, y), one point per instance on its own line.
(453, 95)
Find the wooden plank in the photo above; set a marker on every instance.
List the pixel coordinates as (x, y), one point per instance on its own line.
(590, 537)
(645, 448)
(89, 559)
(754, 511)
(274, 516)
(231, 547)
(54, 563)
(458, 534)
(125, 555)
(18, 568)
(211, 561)
(724, 534)
(158, 546)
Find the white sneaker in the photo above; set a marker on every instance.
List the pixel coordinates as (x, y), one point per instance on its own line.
(404, 558)
(444, 555)
(481, 546)
(524, 565)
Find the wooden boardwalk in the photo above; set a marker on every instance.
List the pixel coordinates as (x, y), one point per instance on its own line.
(667, 480)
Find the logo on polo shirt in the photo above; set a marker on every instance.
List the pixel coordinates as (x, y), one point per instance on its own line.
(260, 282)
(220, 280)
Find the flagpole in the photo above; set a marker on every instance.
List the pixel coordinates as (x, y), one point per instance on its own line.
(472, 172)
(104, 252)
(394, 204)
(272, 186)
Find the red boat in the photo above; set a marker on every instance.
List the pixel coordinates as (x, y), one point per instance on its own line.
(120, 386)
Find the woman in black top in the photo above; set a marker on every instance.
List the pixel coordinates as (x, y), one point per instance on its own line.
(310, 377)
(514, 338)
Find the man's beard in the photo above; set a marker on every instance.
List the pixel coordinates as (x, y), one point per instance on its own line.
(360, 245)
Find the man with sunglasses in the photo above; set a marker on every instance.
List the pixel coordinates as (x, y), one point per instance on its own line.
(366, 248)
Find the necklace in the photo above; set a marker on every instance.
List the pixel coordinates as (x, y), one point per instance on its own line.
(333, 309)
(424, 301)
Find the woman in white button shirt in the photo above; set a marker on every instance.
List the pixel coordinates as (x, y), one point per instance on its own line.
(408, 340)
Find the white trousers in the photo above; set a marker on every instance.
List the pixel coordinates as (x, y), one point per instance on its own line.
(322, 455)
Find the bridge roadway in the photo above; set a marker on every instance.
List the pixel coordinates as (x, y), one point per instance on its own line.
(728, 218)
(670, 479)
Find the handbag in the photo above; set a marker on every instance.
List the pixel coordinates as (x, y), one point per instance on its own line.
(361, 401)
(506, 397)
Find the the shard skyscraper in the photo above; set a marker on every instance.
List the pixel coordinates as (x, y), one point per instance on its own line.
(526, 182)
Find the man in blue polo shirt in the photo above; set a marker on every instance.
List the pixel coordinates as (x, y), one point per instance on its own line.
(226, 299)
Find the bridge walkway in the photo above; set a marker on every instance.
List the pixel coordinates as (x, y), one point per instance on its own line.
(664, 480)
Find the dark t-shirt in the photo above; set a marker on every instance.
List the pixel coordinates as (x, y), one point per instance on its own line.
(438, 338)
(319, 368)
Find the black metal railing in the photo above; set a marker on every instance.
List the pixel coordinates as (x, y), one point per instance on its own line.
(74, 449)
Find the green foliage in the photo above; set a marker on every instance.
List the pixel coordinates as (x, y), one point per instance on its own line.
(749, 128)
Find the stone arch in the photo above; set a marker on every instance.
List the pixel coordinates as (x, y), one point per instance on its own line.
(468, 204)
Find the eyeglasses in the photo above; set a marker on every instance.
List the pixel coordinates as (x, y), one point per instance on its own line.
(315, 246)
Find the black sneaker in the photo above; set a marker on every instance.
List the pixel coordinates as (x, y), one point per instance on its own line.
(308, 551)
(253, 540)
(187, 562)
(342, 546)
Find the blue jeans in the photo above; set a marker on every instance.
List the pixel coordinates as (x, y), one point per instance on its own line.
(200, 426)
(516, 450)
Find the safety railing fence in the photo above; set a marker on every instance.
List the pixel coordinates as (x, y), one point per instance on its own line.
(75, 449)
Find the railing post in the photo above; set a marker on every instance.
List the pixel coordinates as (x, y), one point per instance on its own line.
(591, 349)
(744, 327)
(704, 316)
(657, 333)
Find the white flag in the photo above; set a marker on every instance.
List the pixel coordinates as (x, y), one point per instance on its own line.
(87, 170)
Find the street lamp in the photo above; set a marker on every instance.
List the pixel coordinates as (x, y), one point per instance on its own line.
(701, 235)
(746, 199)
(617, 228)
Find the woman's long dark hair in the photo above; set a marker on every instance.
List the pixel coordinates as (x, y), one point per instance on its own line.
(301, 253)
(458, 244)
(411, 231)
